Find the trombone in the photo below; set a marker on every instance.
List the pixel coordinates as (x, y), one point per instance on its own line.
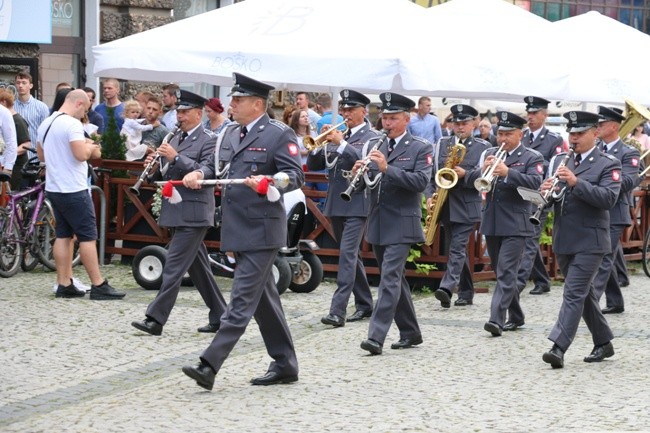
(484, 183)
(313, 143)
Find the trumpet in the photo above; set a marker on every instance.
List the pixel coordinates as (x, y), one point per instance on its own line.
(354, 180)
(135, 189)
(313, 143)
(484, 183)
(535, 218)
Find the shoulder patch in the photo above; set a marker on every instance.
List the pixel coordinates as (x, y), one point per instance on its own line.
(278, 124)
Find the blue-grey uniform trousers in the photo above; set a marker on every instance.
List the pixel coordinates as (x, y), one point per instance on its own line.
(620, 266)
(458, 273)
(254, 295)
(394, 295)
(579, 300)
(606, 280)
(181, 259)
(532, 264)
(505, 254)
(351, 277)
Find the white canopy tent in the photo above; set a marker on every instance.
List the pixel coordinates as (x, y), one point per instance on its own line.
(481, 53)
(605, 59)
(286, 43)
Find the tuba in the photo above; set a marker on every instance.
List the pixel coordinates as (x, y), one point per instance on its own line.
(634, 115)
(445, 178)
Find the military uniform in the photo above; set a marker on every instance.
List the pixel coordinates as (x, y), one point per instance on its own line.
(394, 223)
(460, 212)
(606, 280)
(254, 229)
(549, 144)
(189, 221)
(506, 223)
(348, 218)
(581, 239)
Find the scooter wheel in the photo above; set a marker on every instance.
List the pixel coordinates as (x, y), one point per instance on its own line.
(310, 274)
(281, 274)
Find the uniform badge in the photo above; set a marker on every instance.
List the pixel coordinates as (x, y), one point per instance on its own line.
(635, 162)
(616, 176)
(540, 168)
(573, 116)
(504, 116)
(558, 150)
(293, 149)
(429, 159)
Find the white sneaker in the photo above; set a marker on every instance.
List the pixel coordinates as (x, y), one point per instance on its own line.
(78, 284)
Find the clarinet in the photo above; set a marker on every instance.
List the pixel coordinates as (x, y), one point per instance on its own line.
(535, 218)
(135, 189)
(347, 194)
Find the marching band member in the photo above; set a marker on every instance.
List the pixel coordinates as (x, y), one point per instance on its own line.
(403, 163)
(254, 228)
(505, 217)
(581, 236)
(348, 218)
(462, 208)
(606, 280)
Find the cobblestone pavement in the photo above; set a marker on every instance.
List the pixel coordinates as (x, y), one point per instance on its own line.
(78, 366)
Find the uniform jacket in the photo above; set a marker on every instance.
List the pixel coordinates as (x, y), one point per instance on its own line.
(396, 202)
(197, 207)
(463, 200)
(251, 221)
(630, 161)
(335, 205)
(505, 213)
(547, 143)
(581, 221)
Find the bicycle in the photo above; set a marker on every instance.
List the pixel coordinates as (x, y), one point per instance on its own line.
(27, 227)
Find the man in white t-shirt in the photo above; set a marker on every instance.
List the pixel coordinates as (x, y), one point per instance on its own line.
(62, 145)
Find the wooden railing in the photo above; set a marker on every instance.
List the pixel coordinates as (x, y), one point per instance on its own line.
(134, 225)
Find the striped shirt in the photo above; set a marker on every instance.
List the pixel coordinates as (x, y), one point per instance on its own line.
(34, 112)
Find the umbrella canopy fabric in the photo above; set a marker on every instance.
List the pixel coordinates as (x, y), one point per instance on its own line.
(287, 43)
(483, 53)
(605, 58)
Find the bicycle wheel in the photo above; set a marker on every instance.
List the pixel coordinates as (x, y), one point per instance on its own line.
(10, 247)
(645, 253)
(29, 261)
(44, 237)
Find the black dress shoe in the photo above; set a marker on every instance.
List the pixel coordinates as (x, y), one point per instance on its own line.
(359, 315)
(555, 357)
(624, 283)
(334, 320)
(512, 326)
(601, 352)
(406, 343)
(273, 378)
(210, 328)
(371, 346)
(462, 302)
(203, 374)
(538, 290)
(149, 326)
(444, 297)
(613, 310)
(493, 329)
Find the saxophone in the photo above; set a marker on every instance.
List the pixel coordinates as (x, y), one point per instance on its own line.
(445, 178)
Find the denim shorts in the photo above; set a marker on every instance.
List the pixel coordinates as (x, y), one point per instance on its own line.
(75, 215)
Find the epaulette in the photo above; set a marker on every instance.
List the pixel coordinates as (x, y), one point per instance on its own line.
(536, 152)
(209, 132)
(479, 140)
(611, 157)
(278, 124)
(421, 140)
(553, 134)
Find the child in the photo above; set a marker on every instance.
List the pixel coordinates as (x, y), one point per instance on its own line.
(132, 129)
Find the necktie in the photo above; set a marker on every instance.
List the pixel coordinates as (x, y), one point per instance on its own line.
(183, 137)
(532, 138)
(578, 159)
(347, 134)
(391, 146)
(243, 133)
